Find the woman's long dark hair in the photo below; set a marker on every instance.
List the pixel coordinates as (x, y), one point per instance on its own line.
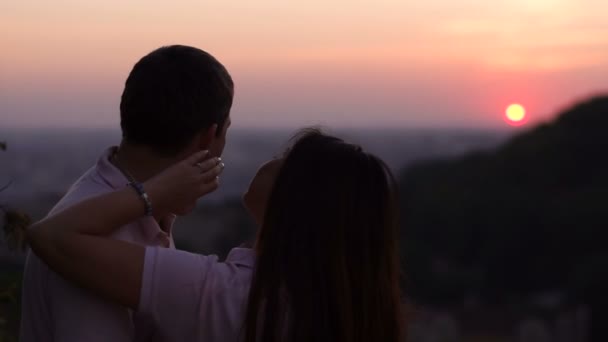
(327, 267)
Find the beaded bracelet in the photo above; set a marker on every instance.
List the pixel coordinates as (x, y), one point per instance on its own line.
(139, 188)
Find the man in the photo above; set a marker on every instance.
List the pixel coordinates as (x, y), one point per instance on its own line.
(176, 101)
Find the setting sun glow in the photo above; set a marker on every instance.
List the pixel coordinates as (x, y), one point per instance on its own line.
(515, 114)
(311, 62)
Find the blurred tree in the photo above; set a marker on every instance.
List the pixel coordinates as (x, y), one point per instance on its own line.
(15, 222)
(14, 226)
(525, 214)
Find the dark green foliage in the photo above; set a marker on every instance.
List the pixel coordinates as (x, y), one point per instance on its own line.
(15, 222)
(10, 300)
(10, 277)
(520, 219)
(15, 225)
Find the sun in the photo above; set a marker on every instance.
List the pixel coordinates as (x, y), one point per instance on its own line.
(515, 114)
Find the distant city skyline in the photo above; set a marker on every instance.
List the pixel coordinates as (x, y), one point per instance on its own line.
(384, 63)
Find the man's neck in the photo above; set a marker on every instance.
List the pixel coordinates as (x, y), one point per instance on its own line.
(140, 162)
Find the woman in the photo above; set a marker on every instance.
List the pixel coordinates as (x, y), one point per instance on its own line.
(324, 266)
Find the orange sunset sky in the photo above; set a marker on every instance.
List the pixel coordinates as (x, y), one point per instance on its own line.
(344, 63)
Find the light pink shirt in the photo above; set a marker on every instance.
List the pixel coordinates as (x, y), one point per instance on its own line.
(56, 310)
(193, 297)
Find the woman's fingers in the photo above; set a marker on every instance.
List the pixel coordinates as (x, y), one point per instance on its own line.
(215, 172)
(207, 165)
(207, 172)
(209, 181)
(209, 187)
(180, 185)
(197, 157)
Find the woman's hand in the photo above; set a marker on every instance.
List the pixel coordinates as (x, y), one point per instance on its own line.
(74, 241)
(185, 182)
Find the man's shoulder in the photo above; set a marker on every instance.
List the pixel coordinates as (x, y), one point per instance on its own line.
(88, 185)
(93, 183)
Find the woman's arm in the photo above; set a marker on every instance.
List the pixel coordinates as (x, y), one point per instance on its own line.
(73, 242)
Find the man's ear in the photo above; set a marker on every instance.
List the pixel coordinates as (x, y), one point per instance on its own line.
(207, 137)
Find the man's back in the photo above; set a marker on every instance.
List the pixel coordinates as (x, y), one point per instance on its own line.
(176, 102)
(56, 310)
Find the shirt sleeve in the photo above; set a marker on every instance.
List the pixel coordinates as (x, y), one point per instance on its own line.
(172, 286)
(78, 315)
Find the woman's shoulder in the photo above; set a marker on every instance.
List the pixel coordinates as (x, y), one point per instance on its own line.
(172, 271)
(241, 256)
(194, 267)
(195, 296)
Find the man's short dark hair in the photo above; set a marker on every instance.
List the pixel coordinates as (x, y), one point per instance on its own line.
(171, 95)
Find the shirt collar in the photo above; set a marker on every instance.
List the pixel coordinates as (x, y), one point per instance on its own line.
(109, 172)
(117, 180)
(242, 256)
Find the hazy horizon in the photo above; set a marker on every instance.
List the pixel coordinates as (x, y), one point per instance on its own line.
(342, 64)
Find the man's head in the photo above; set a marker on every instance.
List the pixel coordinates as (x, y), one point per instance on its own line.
(176, 101)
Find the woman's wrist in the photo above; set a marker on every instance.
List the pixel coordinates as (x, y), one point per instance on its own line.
(131, 204)
(143, 195)
(155, 195)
